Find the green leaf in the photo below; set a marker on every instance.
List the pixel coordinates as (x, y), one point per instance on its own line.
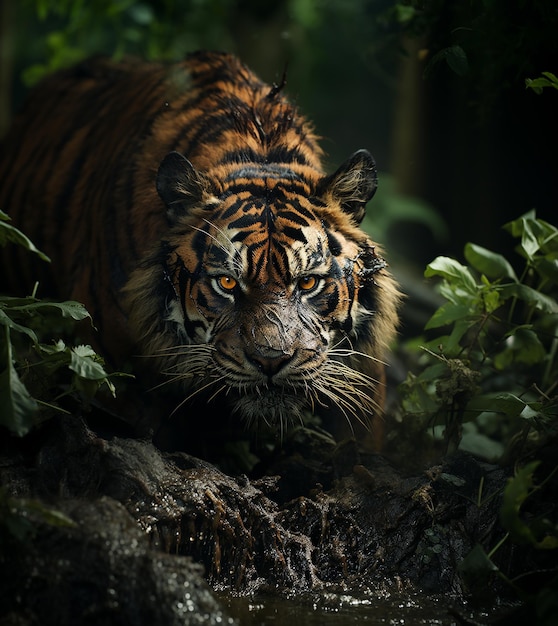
(477, 567)
(46, 514)
(457, 296)
(522, 346)
(548, 269)
(142, 14)
(506, 403)
(453, 271)
(491, 299)
(533, 297)
(451, 479)
(539, 532)
(433, 372)
(531, 411)
(8, 322)
(452, 345)
(84, 351)
(447, 314)
(477, 561)
(548, 79)
(404, 13)
(83, 363)
(17, 407)
(69, 309)
(456, 58)
(9, 233)
(536, 235)
(480, 445)
(57, 348)
(489, 263)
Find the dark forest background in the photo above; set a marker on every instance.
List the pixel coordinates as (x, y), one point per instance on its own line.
(458, 102)
(436, 90)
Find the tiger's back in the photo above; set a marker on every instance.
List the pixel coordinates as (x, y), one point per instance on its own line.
(131, 234)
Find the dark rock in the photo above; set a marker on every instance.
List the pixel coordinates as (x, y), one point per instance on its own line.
(87, 562)
(330, 517)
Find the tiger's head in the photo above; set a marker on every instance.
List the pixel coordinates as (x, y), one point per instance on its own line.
(266, 291)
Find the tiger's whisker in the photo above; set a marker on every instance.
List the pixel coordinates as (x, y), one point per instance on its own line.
(196, 392)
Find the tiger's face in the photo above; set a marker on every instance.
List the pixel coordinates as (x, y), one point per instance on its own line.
(271, 286)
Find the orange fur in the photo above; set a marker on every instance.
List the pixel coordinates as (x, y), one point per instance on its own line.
(81, 170)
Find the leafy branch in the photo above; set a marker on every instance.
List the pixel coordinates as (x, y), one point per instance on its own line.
(489, 364)
(35, 373)
(547, 79)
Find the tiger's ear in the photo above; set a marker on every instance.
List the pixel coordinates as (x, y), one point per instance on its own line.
(352, 185)
(180, 185)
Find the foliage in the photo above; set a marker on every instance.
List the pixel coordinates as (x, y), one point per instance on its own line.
(537, 532)
(20, 516)
(9, 233)
(154, 30)
(547, 79)
(489, 45)
(36, 373)
(490, 366)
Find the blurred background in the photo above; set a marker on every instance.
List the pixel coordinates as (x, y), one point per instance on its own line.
(436, 90)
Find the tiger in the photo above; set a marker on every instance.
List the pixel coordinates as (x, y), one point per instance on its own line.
(187, 207)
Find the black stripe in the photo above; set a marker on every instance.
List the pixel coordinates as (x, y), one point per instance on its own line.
(256, 188)
(240, 236)
(189, 105)
(243, 155)
(333, 243)
(297, 217)
(213, 126)
(280, 263)
(199, 243)
(336, 271)
(283, 154)
(222, 67)
(233, 209)
(247, 220)
(332, 302)
(294, 233)
(217, 256)
(257, 269)
(183, 280)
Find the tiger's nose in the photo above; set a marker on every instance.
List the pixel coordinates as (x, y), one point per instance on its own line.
(270, 364)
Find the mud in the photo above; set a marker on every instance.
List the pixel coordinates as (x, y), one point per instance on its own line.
(141, 536)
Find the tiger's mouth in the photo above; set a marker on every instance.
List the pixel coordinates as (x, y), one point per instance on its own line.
(272, 405)
(332, 385)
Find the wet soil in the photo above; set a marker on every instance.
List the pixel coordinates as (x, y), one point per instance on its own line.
(111, 530)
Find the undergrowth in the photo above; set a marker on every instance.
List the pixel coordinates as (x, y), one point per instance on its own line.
(487, 376)
(38, 369)
(487, 383)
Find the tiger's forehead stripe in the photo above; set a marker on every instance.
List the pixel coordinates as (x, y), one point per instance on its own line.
(259, 241)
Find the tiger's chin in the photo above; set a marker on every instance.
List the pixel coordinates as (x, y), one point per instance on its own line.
(274, 408)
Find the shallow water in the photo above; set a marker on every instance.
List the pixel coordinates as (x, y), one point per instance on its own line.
(344, 609)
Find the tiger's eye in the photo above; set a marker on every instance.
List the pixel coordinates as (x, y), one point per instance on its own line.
(307, 283)
(228, 283)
